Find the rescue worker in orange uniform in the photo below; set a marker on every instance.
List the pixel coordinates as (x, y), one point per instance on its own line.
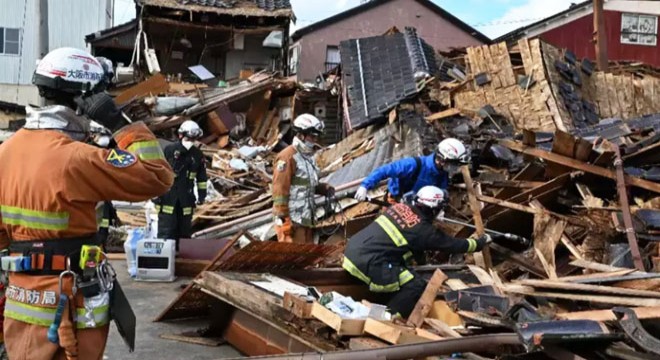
(296, 182)
(48, 200)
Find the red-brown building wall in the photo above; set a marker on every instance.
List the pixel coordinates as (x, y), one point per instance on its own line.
(437, 31)
(578, 37)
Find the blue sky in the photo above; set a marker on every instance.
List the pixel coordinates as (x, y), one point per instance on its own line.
(491, 17)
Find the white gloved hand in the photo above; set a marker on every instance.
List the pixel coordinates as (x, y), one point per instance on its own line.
(361, 194)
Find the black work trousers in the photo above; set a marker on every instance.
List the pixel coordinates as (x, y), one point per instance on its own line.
(403, 301)
(175, 223)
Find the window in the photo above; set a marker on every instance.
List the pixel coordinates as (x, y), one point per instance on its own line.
(10, 41)
(332, 58)
(294, 59)
(637, 29)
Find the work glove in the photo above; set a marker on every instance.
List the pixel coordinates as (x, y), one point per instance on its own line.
(101, 108)
(483, 240)
(361, 194)
(284, 229)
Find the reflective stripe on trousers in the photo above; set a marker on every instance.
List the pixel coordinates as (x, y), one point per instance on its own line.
(45, 316)
(404, 277)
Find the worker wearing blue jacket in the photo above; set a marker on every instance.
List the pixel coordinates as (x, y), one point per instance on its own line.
(411, 174)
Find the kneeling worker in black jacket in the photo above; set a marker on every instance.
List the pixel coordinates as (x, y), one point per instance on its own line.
(378, 255)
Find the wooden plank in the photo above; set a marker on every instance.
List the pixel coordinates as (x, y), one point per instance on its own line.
(585, 264)
(297, 306)
(476, 216)
(365, 343)
(428, 335)
(392, 333)
(600, 289)
(578, 165)
(597, 275)
(456, 284)
(643, 313)
(442, 328)
(601, 299)
(343, 327)
(154, 85)
(425, 302)
(443, 114)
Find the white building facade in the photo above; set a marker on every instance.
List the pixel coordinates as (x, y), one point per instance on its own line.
(68, 23)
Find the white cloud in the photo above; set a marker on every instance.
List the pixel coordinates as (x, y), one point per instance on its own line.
(527, 13)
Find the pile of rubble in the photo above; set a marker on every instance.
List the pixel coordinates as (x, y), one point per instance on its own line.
(563, 155)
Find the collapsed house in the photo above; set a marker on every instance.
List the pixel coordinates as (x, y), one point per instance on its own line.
(567, 157)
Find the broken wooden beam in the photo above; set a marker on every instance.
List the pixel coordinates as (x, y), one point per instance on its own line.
(483, 258)
(392, 333)
(579, 165)
(601, 299)
(559, 285)
(425, 302)
(643, 313)
(625, 209)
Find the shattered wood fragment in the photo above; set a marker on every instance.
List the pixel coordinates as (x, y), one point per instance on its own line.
(547, 234)
(441, 311)
(425, 302)
(297, 305)
(597, 275)
(343, 327)
(443, 114)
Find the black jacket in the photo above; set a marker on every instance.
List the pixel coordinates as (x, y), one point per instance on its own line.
(409, 233)
(189, 166)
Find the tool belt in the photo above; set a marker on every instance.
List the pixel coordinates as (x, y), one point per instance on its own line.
(46, 257)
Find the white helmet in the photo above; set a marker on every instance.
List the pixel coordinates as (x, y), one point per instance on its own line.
(191, 130)
(69, 70)
(431, 196)
(453, 150)
(308, 124)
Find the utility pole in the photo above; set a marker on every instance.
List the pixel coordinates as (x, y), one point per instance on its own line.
(42, 42)
(600, 35)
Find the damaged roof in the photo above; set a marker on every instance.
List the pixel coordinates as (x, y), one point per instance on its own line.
(258, 8)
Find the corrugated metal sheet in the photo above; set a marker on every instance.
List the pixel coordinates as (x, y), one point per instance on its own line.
(267, 256)
(69, 21)
(391, 144)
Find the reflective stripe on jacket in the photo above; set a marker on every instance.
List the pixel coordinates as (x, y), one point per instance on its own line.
(379, 253)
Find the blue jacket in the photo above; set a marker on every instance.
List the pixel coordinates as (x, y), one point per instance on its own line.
(401, 175)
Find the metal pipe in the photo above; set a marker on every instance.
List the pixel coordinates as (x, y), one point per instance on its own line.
(256, 219)
(411, 351)
(509, 236)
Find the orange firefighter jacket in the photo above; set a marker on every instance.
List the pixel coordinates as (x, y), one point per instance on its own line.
(49, 188)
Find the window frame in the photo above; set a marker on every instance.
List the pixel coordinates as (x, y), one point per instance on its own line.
(3, 39)
(626, 32)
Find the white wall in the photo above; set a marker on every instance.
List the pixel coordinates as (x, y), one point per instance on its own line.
(68, 23)
(252, 54)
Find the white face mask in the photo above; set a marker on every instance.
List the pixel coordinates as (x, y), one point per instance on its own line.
(305, 147)
(187, 144)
